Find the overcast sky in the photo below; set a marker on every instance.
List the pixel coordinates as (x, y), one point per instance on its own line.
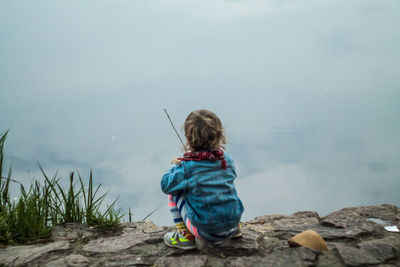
(308, 92)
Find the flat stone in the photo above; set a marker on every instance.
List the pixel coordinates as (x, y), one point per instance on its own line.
(269, 244)
(365, 217)
(72, 231)
(149, 250)
(394, 241)
(217, 262)
(385, 212)
(145, 227)
(145, 232)
(73, 260)
(57, 263)
(113, 244)
(275, 222)
(353, 256)
(244, 246)
(354, 239)
(183, 261)
(260, 228)
(243, 261)
(328, 259)
(289, 257)
(379, 249)
(126, 260)
(19, 255)
(354, 225)
(348, 219)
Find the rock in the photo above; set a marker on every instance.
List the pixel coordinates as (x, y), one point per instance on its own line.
(245, 246)
(349, 220)
(270, 244)
(195, 261)
(354, 223)
(393, 240)
(144, 232)
(380, 249)
(364, 216)
(287, 257)
(73, 260)
(328, 259)
(72, 231)
(309, 239)
(269, 223)
(352, 256)
(354, 236)
(290, 257)
(126, 260)
(368, 252)
(19, 255)
(385, 212)
(245, 261)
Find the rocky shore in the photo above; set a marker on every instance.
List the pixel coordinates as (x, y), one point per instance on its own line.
(355, 236)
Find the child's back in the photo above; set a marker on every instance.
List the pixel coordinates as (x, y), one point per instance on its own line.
(200, 185)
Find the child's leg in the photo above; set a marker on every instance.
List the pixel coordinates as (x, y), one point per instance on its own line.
(186, 229)
(177, 205)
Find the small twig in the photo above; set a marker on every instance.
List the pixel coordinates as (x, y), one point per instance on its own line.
(169, 118)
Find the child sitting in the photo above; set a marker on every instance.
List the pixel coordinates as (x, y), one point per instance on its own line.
(202, 196)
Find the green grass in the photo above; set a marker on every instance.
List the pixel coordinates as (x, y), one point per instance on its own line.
(44, 205)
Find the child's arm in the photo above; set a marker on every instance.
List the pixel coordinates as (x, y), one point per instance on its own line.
(175, 161)
(174, 180)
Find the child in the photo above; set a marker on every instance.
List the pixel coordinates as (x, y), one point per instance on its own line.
(202, 196)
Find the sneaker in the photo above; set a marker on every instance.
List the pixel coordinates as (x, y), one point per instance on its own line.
(175, 240)
(238, 232)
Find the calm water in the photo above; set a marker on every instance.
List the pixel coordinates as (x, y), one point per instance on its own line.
(308, 91)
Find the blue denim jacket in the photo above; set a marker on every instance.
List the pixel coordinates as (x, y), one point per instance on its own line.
(211, 199)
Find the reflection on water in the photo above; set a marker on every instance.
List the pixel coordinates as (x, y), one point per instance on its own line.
(310, 100)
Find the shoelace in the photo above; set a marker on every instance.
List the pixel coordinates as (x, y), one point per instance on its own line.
(175, 235)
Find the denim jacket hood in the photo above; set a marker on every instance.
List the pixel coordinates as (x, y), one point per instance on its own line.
(211, 199)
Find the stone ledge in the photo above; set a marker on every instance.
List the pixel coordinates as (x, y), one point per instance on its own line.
(355, 237)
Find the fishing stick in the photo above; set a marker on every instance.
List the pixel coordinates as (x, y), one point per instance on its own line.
(12, 180)
(169, 118)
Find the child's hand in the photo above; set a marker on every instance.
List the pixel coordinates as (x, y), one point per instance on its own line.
(175, 161)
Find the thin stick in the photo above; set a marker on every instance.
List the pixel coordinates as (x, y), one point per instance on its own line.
(169, 118)
(12, 180)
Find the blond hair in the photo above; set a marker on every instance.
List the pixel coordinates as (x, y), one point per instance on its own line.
(204, 131)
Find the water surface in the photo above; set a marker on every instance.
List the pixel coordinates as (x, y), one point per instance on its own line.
(308, 92)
